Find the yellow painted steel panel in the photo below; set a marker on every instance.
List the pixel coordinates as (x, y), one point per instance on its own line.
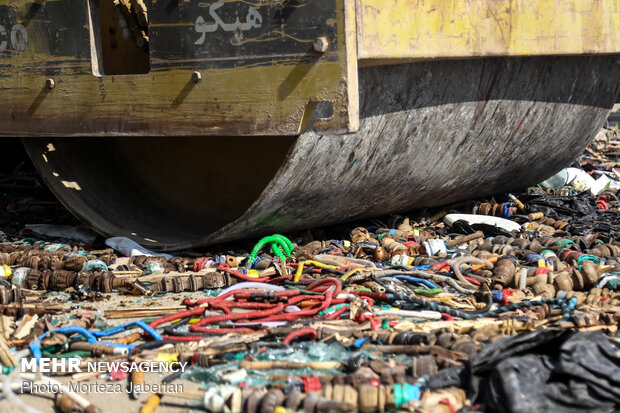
(229, 68)
(427, 29)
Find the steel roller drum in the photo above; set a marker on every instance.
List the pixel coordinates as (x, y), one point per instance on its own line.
(431, 133)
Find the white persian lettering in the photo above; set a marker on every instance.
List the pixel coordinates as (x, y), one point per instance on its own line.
(18, 37)
(3, 43)
(252, 20)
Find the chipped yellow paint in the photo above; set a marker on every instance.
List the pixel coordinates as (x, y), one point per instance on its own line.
(272, 99)
(428, 29)
(350, 28)
(245, 100)
(278, 99)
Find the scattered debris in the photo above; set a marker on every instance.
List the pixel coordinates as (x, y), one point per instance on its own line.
(506, 304)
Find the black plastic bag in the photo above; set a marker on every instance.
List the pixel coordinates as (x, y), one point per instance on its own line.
(545, 370)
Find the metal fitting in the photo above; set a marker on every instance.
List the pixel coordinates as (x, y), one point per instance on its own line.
(320, 44)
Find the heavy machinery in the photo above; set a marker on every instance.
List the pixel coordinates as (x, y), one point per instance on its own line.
(187, 122)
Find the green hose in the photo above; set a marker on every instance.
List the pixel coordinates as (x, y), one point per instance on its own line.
(70, 354)
(281, 246)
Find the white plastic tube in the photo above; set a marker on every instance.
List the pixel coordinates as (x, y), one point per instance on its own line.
(40, 379)
(12, 397)
(423, 315)
(251, 284)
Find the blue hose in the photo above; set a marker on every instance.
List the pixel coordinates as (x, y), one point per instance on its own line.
(416, 280)
(124, 327)
(35, 346)
(91, 337)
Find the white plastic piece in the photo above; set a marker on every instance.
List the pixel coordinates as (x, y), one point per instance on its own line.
(419, 315)
(222, 399)
(213, 400)
(583, 181)
(600, 185)
(131, 248)
(471, 219)
(18, 278)
(522, 279)
(400, 260)
(580, 179)
(253, 285)
(232, 375)
(572, 174)
(604, 279)
(5, 271)
(435, 246)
